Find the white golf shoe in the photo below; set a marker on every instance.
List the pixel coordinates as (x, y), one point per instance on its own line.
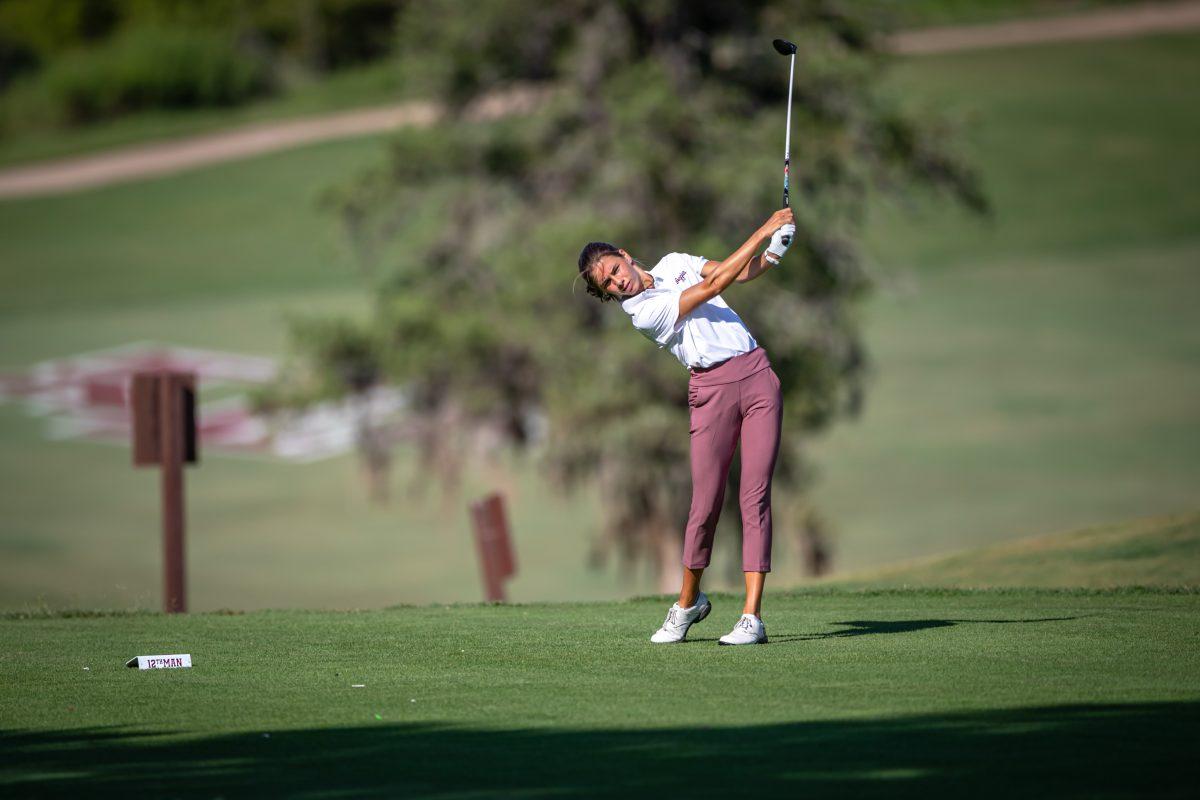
(748, 630)
(680, 619)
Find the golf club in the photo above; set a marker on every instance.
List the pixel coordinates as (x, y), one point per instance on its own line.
(786, 48)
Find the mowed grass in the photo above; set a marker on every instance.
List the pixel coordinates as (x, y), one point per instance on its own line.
(926, 13)
(1020, 399)
(878, 694)
(231, 231)
(1034, 373)
(265, 534)
(1158, 551)
(1040, 370)
(1085, 149)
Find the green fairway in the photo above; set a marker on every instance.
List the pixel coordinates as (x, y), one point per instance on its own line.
(998, 694)
(267, 534)
(1036, 371)
(1159, 551)
(238, 229)
(1086, 151)
(1033, 373)
(1018, 399)
(922, 13)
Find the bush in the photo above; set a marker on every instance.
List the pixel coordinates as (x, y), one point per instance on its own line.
(143, 68)
(46, 28)
(15, 59)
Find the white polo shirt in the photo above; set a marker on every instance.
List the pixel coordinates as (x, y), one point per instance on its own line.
(712, 333)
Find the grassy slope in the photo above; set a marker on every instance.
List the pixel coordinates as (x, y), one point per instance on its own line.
(1158, 551)
(1034, 373)
(1084, 148)
(877, 694)
(1037, 371)
(928, 13)
(232, 231)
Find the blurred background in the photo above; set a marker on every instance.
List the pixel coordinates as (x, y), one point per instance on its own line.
(358, 222)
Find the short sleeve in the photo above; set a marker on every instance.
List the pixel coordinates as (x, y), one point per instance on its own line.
(656, 316)
(694, 263)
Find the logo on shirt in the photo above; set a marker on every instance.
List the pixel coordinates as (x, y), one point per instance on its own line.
(681, 277)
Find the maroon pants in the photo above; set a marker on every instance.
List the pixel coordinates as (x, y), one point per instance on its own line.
(738, 399)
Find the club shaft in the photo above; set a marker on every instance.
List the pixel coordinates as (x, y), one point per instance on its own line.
(787, 138)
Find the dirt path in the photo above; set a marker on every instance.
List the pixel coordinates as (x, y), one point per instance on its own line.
(165, 158)
(150, 160)
(1108, 24)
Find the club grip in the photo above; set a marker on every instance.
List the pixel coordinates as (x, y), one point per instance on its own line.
(787, 203)
(787, 174)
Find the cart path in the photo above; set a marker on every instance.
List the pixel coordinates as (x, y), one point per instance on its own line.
(165, 158)
(177, 155)
(1107, 24)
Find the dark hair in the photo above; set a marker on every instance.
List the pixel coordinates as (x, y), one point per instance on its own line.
(588, 258)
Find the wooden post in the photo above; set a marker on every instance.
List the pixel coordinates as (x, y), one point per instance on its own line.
(496, 558)
(171, 406)
(164, 433)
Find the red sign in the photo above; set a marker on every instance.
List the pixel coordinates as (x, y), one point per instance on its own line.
(495, 547)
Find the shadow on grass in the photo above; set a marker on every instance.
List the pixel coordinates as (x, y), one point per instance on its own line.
(1136, 750)
(870, 627)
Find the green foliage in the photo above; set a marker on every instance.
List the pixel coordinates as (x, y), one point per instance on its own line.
(93, 59)
(350, 31)
(660, 114)
(139, 69)
(456, 55)
(341, 356)
(47, 27)
(15, 59)
(324, 33)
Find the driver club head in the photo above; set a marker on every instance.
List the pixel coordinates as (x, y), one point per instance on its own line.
(784, 47)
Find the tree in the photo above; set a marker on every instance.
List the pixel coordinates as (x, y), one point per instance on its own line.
(662, 133)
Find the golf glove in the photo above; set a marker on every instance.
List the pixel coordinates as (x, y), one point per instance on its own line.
(780, 241)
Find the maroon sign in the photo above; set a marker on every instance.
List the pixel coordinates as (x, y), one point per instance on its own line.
(494, 544)
(164, 434)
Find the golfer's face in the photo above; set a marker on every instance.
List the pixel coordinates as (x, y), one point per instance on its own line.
(616, 275)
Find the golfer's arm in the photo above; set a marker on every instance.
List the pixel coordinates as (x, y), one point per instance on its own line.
(757, 266)
(725, 273)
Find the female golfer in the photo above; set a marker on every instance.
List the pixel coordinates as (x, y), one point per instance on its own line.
(733, 394)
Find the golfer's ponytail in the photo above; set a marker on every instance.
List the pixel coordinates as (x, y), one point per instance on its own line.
(588, 257)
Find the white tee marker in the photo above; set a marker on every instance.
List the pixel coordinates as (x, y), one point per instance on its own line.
(177, 661)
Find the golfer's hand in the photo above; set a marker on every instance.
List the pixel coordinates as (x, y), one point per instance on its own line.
(783, 216)
(780, 240)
